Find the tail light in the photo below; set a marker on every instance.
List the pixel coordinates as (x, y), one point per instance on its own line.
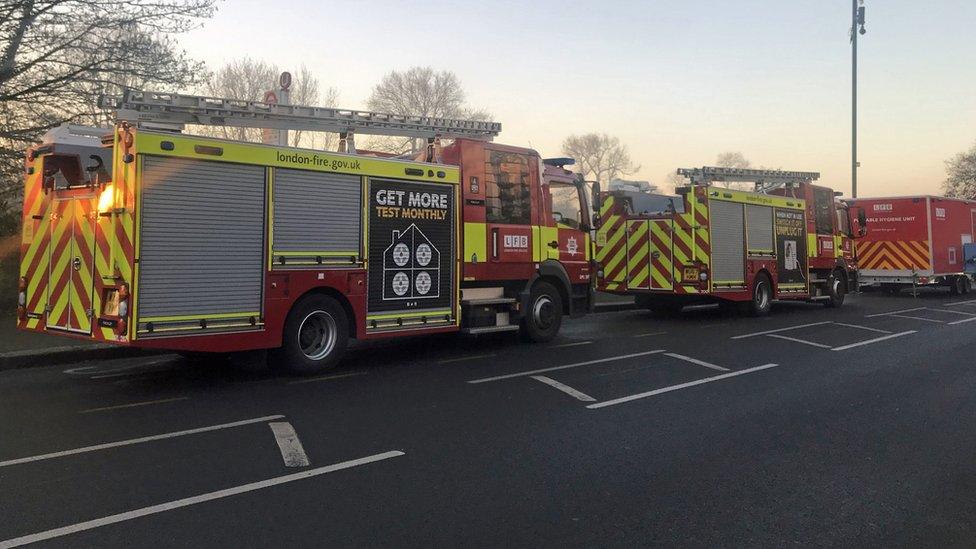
(22, 298)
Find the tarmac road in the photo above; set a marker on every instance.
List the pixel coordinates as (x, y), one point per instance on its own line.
(811, 426)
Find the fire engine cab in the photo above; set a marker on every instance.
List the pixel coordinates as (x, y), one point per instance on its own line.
(142, 235)
(791, 239)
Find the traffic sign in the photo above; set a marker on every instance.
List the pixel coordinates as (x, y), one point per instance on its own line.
(285, 80)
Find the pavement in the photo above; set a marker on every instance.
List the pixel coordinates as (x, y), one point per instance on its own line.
(811, 426)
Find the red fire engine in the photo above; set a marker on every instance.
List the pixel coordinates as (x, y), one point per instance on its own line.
(152, 238)
(789, 240)
(917, 241)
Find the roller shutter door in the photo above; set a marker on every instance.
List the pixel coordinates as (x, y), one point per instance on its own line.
(316, 212)
(728, 261)
(759, 226)
(202, 239)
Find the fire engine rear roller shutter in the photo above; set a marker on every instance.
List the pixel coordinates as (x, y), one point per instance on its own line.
(202, 238)
(728, 261)
(316, 212)
(759, 226)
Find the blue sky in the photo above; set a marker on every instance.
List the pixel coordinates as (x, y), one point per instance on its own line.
(678, 81)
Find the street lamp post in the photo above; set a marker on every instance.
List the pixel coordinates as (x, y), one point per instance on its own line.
(857, 18)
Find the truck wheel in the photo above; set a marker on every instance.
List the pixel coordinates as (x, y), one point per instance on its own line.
(762, 296)
(969, 285)
(836, 290)
(315, 336)
(545, 313)
(958, 285)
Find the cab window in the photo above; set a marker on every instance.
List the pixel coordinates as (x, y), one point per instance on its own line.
(508, 197)
(843, 223)
(566, 209)
(823, 207)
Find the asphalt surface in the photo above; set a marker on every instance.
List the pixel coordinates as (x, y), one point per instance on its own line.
(855, 427)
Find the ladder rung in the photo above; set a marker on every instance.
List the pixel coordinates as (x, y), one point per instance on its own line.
(139, 106)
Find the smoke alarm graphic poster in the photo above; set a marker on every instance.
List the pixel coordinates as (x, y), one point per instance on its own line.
(411, 246)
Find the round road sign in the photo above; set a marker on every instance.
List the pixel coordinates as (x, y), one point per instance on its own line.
(285, 80)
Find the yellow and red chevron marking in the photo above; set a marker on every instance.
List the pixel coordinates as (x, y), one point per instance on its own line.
(59, 276)
(638, 265)
(686, 251)
(612, 245)
(82, 273)
(909, 255)
(35, 247)
(661, 265)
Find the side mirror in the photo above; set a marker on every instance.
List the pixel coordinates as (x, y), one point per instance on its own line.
(595, 196)
(862, 222)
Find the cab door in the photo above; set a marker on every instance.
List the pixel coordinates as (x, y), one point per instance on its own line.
(565, 237)
(508, 212)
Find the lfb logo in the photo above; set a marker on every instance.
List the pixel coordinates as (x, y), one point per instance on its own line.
(940, 213)
(882, 207)
(516, 241)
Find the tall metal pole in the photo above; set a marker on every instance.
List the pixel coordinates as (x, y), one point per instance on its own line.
(854, 98)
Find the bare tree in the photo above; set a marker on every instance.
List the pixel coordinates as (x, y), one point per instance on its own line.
(732, 159)
(674, 180)
(419, 91)
(57, 55)
(599, 156)
(305, 91)
(960, 179)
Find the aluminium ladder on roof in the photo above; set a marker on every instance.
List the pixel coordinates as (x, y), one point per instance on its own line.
(173, 108)
(766, 180)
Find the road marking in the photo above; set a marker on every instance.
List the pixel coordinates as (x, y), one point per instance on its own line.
(953, 312)
(962, 321)
(574, 365)
(679, 386)
(138, 440)
(781, 330)
(870, 341)
(864, 328)
(650, 334)
(918, 318)
(570, 344)
(472, 357)
(186, 502)
(133, 405)
(90, 370)
(292, 451)
(953, 304)
(895, 312)
(325, 378)
(565, 388)
(803, 341)
(696, 361)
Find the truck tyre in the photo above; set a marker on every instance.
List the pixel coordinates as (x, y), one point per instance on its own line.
(762, 296)
(958, 286)
(836, 289)
(315, 336)
(544, 315)
(969, 284)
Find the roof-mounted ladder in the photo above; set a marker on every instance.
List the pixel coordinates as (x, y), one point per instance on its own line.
(765, 180)
(152, 108)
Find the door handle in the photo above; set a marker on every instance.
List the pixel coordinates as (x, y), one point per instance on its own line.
(554, 244)
(76, 263)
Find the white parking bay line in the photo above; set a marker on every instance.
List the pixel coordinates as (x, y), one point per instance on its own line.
(579, 395)
(870, 341)
(953, 312)
(292, 451)
(662, 390)
(864, 328)
(918, 318)
(796, 340)
(570, 344)
(133, 405)
(696, 361)
(953, 304)
(743, 336)
(326, 378)
(895, 312)
(650, 334)
(459, 359)
(962, 321)
(137, 440)
(186, 502)
(574, 365)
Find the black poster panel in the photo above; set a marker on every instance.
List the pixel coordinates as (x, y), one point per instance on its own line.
(791, 246)
(411, 246)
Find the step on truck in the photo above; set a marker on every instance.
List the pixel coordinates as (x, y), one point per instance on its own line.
(789, 240)
(154, 238)
(917, 241)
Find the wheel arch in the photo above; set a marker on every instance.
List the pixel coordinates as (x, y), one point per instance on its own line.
(334, 294)
(554, 273)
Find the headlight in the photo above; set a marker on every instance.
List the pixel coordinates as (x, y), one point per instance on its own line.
(703, 276)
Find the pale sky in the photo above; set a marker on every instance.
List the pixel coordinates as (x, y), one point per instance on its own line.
(678, 81)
